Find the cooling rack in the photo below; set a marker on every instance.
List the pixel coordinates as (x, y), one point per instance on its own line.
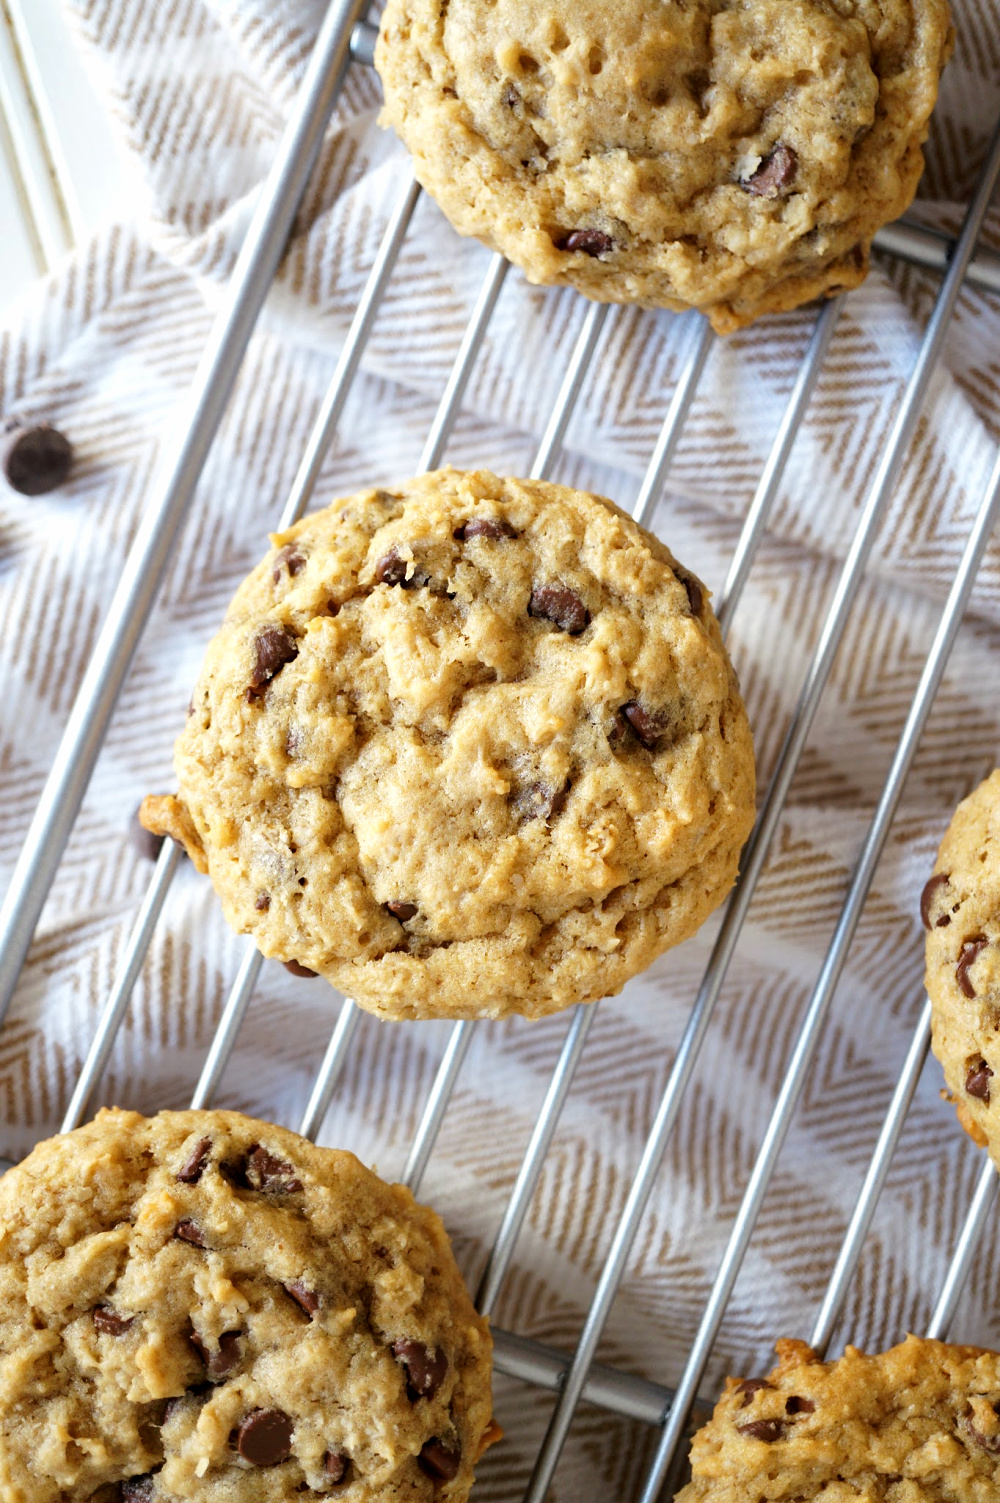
(576, 1377)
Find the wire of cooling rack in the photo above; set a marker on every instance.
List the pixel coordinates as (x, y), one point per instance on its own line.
(577, 1377)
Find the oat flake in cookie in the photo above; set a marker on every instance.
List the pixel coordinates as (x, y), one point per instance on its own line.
(960, 908)
(917, 1424)
(466, 747)
(735, 156)
(201, 1306)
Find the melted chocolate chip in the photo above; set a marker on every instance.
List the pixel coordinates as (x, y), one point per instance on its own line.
(402, 911)
(307, 1299)
(590, 242)
(193, 1167)
(749, 1386)
(190, 1231)
(425, 1373)
(335, 1466)
(775, 172)
(288, 558)
(139, 1489)
(798, 1405)
(484, 527)
(222, 1361)
(695, 593)
(297, 969)
(763, 1429)
(393, 569)
(539, 801)
(265, 1437)
(108, 1321)
(939, 879)
(35, 460)
(647, 726)
(270, 1175)
(562, 607)
(262, 902)
(145, 842)
(989, 1443)
(273, 647)
(439, 1461)
(970, 950)
(977, 1079)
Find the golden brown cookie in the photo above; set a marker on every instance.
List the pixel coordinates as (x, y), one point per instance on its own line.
(201, 1306)
(467, 747)
(916, 1424)
(960, 908)
(735, 156)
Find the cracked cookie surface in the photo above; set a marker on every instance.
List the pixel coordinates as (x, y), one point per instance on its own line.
(202, 1306)
(467, 747)
(960, 908)
(735, 156)
(916, 1424)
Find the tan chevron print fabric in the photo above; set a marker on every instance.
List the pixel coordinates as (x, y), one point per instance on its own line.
(106, 348)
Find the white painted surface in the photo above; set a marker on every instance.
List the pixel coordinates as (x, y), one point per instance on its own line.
(61, 172)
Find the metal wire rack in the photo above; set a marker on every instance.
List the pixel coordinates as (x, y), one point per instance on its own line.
(345, 36)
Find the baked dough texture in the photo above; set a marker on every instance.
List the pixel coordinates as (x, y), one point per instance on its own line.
(467, 747)
(960, 907)
(916, 1424)
(735, 156)
(201, 1306)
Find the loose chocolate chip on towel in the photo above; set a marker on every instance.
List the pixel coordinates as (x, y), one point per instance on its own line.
(35, 460)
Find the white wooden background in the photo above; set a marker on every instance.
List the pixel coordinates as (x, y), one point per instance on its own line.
(61, 175)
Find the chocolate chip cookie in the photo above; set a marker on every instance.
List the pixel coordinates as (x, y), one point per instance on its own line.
(917, 1424)
(466, 747)
(201, 1306)
(960, 908)
(735, 156)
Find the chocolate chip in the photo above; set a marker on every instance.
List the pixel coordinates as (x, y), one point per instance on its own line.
(970, 950)
(484, 527)
(775, 172)
(425, 1373)
(439, 1461)
(224, 1359)
(763, 1429)
(191, 1170)
(297, 969)
(145, 842)
(590, 242)
(647, 726)
(798, 1405)
(939, 879)
(562, 607)
(335, 1466)
(273, 647)
(262, 902)
(977, 1080)
(190, 1231)
(402, 911)
(288, 558)
(265, 1437)
(695, 593)
(539, 801)
(307, 1299)
(139, 1489)
(392, 569)
(36, 460)
(112, 1324)
(989, 1443)
(270, 1175)
(749, 1386)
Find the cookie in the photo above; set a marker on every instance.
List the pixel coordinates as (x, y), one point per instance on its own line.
(466, 747)
(735, 156)
(202, 1306)
(960, 908)
(917, 1424)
